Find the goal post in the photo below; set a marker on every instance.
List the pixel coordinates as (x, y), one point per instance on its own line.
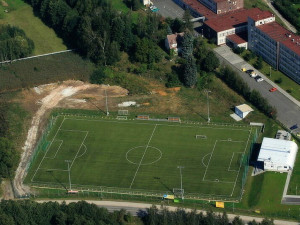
(123, 112)
(200, 136)
(121, 117)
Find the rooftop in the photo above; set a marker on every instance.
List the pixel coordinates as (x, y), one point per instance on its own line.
(237, 18)
(244, 108)
(278, 151)
(282, 35)
(174, 38)
(201, 9)
(239, 38)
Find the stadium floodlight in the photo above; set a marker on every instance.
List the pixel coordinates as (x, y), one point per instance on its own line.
(68, 161)
(181, 167)
(208, 118)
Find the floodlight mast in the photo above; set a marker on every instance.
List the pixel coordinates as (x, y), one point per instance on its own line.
(208, 118)
(181, 167)
(68, 161)
(107, 113)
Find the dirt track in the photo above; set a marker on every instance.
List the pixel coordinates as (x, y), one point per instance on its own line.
(54, 95)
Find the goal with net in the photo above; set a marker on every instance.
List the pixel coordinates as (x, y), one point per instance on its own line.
(121, 117)
(123, 112)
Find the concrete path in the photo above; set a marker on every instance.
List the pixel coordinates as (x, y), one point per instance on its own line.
(288, 108)
(134, 208)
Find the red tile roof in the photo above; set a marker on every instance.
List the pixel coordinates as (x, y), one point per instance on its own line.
(282, 35)
(174, 38)
(201, 9)
(237, 18)
(238, 38)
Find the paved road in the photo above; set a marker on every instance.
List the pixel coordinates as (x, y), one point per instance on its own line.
(134, 208)
(288, 108)
(168, 8)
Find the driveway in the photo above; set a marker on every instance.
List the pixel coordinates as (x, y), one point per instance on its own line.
(168, 8)
(288, 108)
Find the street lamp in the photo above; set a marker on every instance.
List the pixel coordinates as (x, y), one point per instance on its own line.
(107, 113)
(68, 161)
(181, 167)
(270, 71)
(208, 118)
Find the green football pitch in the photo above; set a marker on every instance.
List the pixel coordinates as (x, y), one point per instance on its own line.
(144, 156)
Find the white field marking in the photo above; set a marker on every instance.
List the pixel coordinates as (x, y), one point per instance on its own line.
(143, 156)
(218, 181)
(210, 159)
(74, 130)
(47, 149)
(79, 149)
(167, 125)
(144, 164)
(203, 159)
(231, 161)
(53, 169)
(83, 152)
(61, 142)
(241, 163)
(232, 140)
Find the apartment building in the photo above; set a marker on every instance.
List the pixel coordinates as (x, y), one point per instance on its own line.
(223, 6)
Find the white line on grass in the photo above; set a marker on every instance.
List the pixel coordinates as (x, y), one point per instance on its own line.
(143, 156)
(210, 159)
(47, 149)
(167, 125)
(231, 162)
(241, 162)
(82, 143)
(61, 142)
(74, 130)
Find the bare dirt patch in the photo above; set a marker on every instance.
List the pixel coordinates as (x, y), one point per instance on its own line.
(41, 100)
(4, 3)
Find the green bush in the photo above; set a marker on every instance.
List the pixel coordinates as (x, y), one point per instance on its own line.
(172, 80)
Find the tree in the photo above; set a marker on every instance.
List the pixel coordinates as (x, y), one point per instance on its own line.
(4, 125)
(190, 72)
(8, 158)
(187, 45)
(177, 26)
(188, 25)
(259, 63)
(210, 62)
(98, 76)
(169, 30)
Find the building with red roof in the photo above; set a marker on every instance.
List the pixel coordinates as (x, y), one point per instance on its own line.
(223, 6)
(233, 23)
(173, 42)
(277, 45)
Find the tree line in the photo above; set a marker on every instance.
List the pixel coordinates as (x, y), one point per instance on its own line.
(237, 84)
(289, 12)
(51, 213)
(14, 43)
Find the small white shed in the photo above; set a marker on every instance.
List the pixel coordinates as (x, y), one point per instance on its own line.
(146, 2)
(277, 154)
(243, 110)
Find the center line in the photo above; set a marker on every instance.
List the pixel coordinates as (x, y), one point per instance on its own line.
(143, 155)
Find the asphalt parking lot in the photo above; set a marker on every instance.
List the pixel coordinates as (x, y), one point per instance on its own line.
(168, 8)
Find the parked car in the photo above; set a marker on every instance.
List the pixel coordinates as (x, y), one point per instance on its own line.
(258, 79)
(244, 69)
(249, 71)
(253, 74)
(154, 8)
(273, 89)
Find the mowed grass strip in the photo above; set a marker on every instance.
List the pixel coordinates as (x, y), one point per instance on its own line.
(22, 16)
(141, 156)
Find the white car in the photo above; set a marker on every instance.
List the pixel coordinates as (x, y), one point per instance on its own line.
(253, 74)
(259, 78)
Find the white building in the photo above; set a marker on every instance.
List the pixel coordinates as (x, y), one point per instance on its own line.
(277, 155)
(146, 2)
(243, 110)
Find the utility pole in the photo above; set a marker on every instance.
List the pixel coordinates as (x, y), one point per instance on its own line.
(68, 161)
(208, 118)
(181, 167)
(270, 71)
(107, 113)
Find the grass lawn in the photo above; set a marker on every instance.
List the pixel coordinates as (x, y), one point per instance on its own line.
(21, 14)
(142, 155)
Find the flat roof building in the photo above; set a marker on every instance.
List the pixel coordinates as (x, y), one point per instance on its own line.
(277, 154)
(243, 110)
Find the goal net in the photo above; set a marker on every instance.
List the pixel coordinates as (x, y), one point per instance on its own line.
(123, 112)
(200, 136)
(121, 117)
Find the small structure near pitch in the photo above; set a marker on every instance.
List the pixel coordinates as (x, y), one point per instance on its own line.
(277, 154)
(243, 110)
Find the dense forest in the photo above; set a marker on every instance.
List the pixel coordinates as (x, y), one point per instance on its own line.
(14, 43)
(289, 9)
(52, 213)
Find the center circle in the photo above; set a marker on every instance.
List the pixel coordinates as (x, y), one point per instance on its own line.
(147, 154)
